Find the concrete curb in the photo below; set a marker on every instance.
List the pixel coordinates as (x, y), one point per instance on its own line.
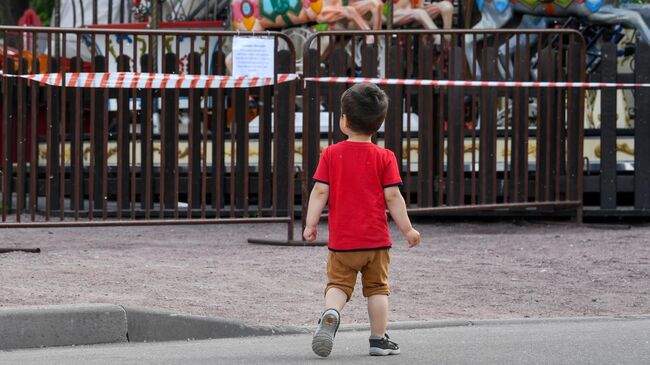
(78, 324)
(88, 324)
(152, 326)
(412, 325)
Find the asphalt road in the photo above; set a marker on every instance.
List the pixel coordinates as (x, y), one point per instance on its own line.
(599, 341)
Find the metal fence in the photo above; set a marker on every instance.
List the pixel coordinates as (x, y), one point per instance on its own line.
(104, 156)
(617, 152)
(113, 156)
(463, 149)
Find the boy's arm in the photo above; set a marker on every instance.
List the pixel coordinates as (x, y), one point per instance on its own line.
(317, 201)
(397, 208)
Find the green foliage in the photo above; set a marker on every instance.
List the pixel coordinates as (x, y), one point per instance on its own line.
(44, 9)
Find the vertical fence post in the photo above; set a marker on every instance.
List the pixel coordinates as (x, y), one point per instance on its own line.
(642, 131)
(3, 133)
(53, 141)
(369, 59)
(9, 135)
(338, 67)
(546, 170)
(265, 182)
(240, 129)
(21, 123)
(393, 125)
(520, 127)
(425, 124)
(218, 122)
(75, 115)
(439, 118)
(4, 139)
(98, 138)
(488, 131)
(194, 135)
(289, 90)
(123, 130)
(33, 143)
(311, 123)
(284, 106)
(169, 108)
(608, 184)
(455, 137)
(146, 139)
(575, 124)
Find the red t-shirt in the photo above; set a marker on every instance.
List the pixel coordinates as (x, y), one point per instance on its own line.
(357, 174)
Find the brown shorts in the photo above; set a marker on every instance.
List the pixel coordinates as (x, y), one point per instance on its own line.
(342, 269)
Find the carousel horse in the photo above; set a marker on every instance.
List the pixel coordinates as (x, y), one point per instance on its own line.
(497, 13)
(410, 11)
(417, 11)
(407, 12)
(259, 15)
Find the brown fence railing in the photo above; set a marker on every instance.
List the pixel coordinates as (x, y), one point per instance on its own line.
(105, 156)
(617, 152)
(462, 149)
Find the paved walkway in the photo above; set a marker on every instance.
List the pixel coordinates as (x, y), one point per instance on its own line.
(567, 341)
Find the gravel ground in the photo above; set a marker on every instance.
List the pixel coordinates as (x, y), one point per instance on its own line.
(461, 271)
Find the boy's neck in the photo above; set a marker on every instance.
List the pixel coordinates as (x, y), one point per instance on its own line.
(357, 137)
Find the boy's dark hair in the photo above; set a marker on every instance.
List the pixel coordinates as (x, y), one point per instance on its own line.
(365, 106)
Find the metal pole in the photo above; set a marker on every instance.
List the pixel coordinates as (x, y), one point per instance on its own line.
(110, 12)
(57, 23)
(154, 23)
(389, 15)
(468, 15)
(57, 13)
(94, 11)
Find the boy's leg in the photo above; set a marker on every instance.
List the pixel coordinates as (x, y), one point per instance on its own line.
(323, 339)
(341, 279)
(375, 288)
(378, 314)
(380, 344)
(335, 298)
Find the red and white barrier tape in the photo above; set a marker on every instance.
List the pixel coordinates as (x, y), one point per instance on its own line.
(514, 84)
(139, 80)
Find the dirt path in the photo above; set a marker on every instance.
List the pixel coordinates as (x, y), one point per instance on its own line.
(461, 271)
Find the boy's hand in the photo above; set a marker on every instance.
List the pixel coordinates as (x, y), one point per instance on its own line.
(310, 233)
(413, 238)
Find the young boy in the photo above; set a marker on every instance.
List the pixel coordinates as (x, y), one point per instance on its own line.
(359, 180)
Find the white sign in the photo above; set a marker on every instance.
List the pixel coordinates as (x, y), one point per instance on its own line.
(253, 56)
